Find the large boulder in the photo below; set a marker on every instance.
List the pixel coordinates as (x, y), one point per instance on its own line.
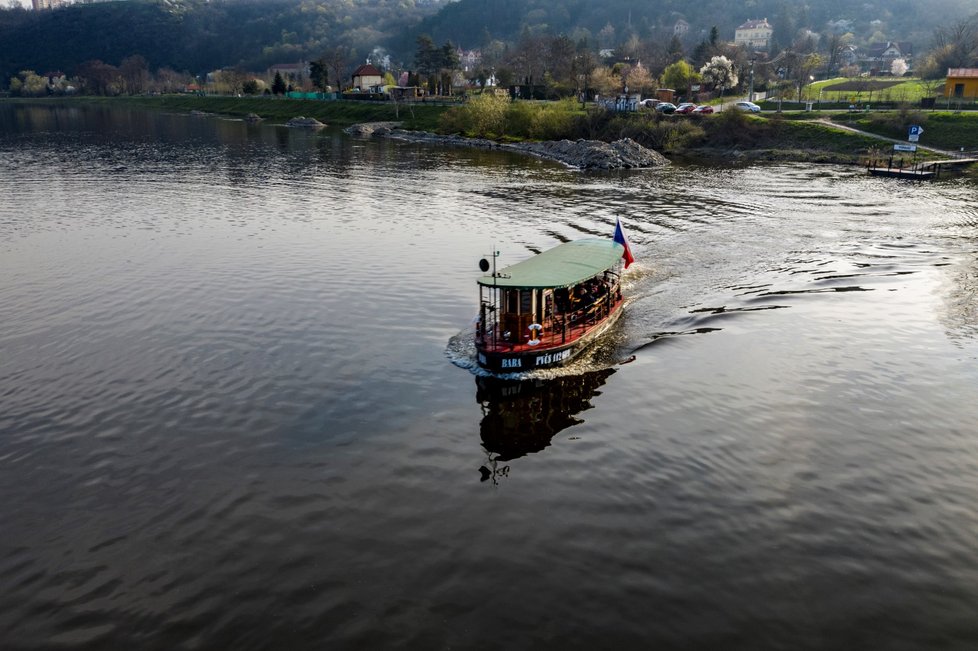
(367, 129)
(307, 123)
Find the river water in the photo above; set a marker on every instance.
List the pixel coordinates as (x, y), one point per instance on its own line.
(237, 409)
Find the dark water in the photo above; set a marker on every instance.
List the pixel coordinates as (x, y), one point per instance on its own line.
(234, 413)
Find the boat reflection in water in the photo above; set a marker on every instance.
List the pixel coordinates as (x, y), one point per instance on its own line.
(522, 416)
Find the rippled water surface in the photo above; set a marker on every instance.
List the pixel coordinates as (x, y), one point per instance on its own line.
(235, 411)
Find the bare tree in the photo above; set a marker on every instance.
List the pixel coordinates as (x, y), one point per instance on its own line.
(956, 46)
(584, 65)
(169, 80)
(233, 80)
(337, 59)
(560, 60)
(135, 74)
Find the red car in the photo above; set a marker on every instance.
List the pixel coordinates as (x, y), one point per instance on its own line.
(685, 107)
(704, 109)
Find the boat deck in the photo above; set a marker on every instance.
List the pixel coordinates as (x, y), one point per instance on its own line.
(578, 325)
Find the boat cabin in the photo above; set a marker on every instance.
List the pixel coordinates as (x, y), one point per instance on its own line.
(549, 301)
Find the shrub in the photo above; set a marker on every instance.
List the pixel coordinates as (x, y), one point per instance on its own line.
(519, 119)
(554, 120)
(898, 121)
(483, 116)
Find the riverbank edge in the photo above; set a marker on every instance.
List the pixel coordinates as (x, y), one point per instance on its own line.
(582, 154)
(424, 119)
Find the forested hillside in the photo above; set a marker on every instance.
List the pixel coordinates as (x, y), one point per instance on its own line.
(610, 22)
(199, 36)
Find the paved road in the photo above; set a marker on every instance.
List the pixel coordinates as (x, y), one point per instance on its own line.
(843, 127)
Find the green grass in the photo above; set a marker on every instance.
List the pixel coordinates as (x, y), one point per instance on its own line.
(860, 90)
(340, 113)
(817, 140)
(942, 129)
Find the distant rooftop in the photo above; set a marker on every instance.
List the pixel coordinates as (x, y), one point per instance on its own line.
(367, 70)
(756, 24)
(962, 72)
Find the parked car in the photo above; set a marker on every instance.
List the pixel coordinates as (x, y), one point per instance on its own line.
(744, 105)
(665, 107)
(685, 107)
(704, 109)
(648, 103)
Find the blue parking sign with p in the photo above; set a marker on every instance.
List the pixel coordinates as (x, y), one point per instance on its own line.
(915, 131)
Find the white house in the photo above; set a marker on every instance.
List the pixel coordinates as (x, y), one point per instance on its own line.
(754, 34)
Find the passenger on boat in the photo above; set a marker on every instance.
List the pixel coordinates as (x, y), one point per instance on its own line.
(562, 300)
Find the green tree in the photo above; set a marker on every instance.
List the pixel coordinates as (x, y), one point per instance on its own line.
(278, 85)
(27, 83)
(680, 76)
(426, 56)
(318, 74)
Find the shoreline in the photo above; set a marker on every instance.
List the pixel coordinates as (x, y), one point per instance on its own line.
(577, 154)
(771, 139)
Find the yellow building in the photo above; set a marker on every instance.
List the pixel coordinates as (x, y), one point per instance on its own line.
(961, 82)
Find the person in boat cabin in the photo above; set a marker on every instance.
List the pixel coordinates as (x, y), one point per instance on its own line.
(582, 298)
(562, 299)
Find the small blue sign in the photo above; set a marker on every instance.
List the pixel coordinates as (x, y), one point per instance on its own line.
(915, 130)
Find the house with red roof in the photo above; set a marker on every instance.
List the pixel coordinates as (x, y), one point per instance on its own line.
(754, 34)
(366, 77)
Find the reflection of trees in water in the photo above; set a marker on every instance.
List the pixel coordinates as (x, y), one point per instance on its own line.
(521, 417)
(961, 300)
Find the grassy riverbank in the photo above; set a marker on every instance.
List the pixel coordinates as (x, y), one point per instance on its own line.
(727, 135)
(340, 113)
(942, 129)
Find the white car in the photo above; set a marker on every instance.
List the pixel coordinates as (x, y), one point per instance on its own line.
(748, 106)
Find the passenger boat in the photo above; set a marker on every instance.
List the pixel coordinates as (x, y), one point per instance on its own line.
(544, 311)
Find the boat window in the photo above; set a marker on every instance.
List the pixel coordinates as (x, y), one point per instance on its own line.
(512, 300)
(526, 301)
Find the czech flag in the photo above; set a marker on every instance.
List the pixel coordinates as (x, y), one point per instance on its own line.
(621, 239)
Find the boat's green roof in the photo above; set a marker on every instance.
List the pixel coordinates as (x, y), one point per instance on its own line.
(561, 266)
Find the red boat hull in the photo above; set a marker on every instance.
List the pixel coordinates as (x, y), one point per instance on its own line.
(524, 357)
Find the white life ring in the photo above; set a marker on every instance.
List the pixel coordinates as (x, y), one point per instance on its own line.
(535, 330)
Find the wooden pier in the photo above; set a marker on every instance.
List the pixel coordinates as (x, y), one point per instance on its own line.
(922, 171)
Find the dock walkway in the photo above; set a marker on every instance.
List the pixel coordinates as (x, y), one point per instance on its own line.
(922, 171)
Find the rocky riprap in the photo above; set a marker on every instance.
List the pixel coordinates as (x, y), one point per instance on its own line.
(367, 129)
(594, 154)
(582, 154)
(305, 122)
